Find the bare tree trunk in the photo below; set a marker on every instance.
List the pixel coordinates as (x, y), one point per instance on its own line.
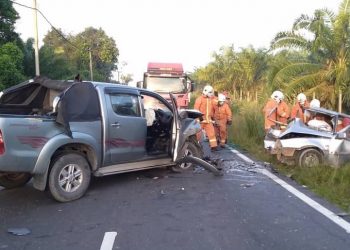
(340, 97)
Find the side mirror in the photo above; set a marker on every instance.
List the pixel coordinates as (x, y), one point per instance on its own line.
(341, 135)
(193, 86)
(139, 84)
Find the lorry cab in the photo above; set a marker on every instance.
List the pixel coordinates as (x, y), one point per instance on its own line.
(165, 78)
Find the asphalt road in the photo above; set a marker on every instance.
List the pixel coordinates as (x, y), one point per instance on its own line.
(158, 209)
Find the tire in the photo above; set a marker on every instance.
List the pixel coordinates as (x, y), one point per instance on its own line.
(69, 177)
(14, 180)
(193, 149)
(310, 158)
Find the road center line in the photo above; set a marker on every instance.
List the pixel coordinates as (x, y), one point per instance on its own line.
(108, 241)
(315, 205)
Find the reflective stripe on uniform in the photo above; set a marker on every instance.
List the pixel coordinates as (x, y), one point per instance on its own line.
(207, 113)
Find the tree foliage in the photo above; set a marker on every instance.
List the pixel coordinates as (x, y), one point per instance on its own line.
(325, 39)
(29, 58)
(8, 17)
(235, 70)
(11, 59)
(57, 56)
(63, 56)
(104, 52)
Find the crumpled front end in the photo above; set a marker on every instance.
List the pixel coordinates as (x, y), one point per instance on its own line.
(339, 152)
(270, 140)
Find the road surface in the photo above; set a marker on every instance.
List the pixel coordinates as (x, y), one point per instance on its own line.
(247, 208)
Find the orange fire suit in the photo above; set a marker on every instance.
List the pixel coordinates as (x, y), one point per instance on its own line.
(206, 106)
(283, 112)
(222, 115)
(298, 111)
(270, 113)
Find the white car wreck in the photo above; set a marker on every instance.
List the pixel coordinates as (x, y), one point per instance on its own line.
(324, 139)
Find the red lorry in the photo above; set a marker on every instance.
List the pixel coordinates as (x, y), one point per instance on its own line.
(165, 78)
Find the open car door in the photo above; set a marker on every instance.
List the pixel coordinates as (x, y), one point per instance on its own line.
(175, 137)
(176, 147)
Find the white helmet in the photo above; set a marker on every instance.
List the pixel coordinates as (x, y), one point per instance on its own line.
(301, 98)
(277, 96)
(208, 91)
(315, 103)
(221, 98)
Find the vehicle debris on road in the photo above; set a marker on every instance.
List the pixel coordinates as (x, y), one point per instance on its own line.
(19, 231)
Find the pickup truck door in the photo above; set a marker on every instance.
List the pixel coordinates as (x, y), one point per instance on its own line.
(126, 129)
(175, 129)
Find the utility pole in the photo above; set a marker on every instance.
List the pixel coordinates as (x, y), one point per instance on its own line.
(36, 40)
(91, 74)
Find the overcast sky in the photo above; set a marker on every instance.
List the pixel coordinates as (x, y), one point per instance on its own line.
(185, 31)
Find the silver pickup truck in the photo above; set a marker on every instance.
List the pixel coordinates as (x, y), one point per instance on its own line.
(60, 133)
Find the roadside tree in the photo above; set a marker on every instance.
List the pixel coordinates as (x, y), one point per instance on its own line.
(104, 53)
(11, 68)
(8, 17)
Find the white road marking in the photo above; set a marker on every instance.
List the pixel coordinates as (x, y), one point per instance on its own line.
(315, 205)
(242, 156)
(108, 241)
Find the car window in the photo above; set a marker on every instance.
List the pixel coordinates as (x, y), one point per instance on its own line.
(320, 121)
(125, 105)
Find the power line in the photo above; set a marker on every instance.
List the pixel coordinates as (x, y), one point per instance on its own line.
(47, 20)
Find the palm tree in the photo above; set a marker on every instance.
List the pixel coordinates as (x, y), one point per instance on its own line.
(324, 39)
(232, 70)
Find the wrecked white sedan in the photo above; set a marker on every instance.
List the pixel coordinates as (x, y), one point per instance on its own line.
(323, 139)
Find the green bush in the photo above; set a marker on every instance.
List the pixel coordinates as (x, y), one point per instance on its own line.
(247, 129)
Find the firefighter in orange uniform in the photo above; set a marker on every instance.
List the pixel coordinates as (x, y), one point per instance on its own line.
(205, 104)
(283, 113)
(299, 108)
(270, 110)
(223, 117)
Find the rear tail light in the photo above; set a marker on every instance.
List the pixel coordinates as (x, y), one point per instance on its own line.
(2, 144)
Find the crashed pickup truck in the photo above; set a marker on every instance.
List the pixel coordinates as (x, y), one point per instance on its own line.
(60, 133)
(324, 139)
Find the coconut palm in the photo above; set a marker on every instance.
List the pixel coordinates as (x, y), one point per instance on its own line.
(325, 39)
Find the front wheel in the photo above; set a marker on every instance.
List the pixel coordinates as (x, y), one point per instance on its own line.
(192, 148)
(14, 180)
(69, 177)
(310, 158)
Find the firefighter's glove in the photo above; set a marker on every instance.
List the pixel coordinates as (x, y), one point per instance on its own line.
(229, 123)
